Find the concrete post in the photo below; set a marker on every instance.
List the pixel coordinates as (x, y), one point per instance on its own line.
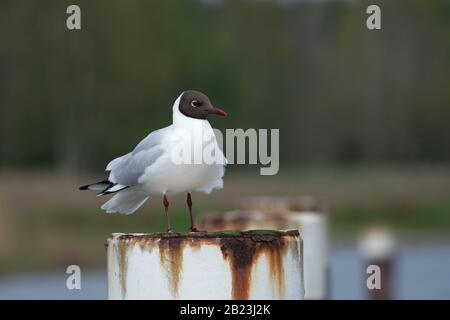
(206, 265)
(302, 213)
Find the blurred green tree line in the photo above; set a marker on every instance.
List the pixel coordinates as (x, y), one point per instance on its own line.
(338, 92)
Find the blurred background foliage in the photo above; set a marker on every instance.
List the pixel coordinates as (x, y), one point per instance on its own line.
(339, 92)
(363, 115)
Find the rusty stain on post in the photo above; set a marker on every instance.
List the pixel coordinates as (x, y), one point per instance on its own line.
(122, 249)
(239, 253)
(276, 267)
(242, 254)
(171, 257)
(241, 249)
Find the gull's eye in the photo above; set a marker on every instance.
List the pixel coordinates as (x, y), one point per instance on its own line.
(195, 103)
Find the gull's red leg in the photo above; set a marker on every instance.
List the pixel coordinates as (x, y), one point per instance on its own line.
(189, 203)
(166, 209)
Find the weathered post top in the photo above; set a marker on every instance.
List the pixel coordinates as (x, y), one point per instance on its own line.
(257, 264)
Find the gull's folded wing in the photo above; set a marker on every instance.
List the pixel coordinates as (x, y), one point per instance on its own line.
(127, 169)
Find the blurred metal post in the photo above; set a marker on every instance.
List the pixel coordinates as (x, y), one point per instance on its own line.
(303, 213)
(377, 247)
(206, 265)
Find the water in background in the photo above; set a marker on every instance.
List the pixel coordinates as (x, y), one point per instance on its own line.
(421, 272)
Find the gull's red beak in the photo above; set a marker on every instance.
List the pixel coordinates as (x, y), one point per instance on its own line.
(217, 111)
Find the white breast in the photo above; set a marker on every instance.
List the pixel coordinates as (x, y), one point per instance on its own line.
(170, 176)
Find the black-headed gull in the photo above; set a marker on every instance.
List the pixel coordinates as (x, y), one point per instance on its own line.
(153, 169)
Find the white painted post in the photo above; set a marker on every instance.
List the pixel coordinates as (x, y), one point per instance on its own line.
(206, 265)
(302, 213)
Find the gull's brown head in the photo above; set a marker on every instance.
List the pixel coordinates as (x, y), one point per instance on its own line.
(195, 104)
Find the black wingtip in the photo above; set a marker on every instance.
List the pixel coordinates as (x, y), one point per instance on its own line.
(106, 192)
(105, 182)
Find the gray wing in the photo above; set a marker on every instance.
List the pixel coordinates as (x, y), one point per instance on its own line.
(127, 169)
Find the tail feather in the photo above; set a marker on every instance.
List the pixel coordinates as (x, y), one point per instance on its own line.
(124, 201)
(127, 202)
